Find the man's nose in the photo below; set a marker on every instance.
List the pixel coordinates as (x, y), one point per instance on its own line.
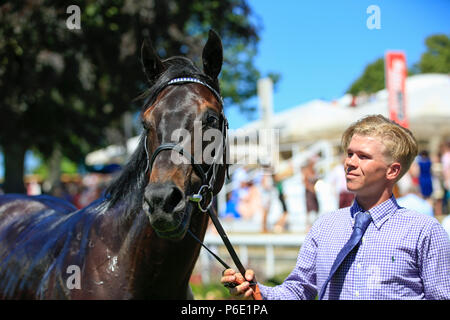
(351, 161)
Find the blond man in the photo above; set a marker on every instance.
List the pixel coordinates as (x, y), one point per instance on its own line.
(373, 249)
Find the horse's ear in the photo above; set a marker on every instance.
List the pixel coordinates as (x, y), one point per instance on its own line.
(212, 55)
(151, 62)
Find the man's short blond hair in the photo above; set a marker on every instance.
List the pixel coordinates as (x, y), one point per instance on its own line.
(400, 144)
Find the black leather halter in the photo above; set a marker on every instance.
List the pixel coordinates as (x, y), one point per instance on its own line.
(204, 196)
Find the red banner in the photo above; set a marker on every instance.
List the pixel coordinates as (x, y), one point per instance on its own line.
(395, 75)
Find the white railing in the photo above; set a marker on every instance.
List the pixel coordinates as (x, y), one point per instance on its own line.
(241, 242)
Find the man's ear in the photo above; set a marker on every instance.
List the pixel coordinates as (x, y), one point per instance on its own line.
(151, 63)
(393, 171)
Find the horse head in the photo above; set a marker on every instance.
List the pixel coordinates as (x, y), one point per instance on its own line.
(185, 130)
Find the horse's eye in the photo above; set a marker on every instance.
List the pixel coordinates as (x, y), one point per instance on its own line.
(212, 121)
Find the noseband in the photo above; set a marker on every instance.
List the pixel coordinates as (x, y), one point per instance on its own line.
(204, 196)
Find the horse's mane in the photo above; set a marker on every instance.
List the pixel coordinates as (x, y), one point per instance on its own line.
(43, 242)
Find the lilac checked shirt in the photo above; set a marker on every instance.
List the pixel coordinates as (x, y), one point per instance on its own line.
(403, 255)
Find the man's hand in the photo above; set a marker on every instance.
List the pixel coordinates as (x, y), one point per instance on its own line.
(242, 290)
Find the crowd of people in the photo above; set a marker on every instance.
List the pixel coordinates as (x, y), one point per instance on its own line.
(251, 197)
(78, 190)
(426, 185)
(254, 190)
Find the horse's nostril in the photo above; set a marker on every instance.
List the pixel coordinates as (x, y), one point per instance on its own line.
(173, 199)
(164, 198)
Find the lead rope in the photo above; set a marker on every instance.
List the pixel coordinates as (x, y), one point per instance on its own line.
(256, 292)
(223, 263)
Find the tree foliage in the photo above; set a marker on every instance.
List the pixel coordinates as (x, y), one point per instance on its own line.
(372, 79)
(436, 59)
(61, 88)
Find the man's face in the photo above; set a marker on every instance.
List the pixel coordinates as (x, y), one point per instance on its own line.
(365, 166)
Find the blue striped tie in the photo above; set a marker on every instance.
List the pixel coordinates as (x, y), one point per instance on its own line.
(362, 221)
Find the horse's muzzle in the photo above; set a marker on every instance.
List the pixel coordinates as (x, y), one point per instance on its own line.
(165, 205)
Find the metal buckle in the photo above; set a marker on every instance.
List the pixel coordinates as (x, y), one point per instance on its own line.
(198, 197)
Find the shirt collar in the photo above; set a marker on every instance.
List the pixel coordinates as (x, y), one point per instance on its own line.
(380, 213)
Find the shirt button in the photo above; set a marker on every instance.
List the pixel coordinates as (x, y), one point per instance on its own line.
(359, 266)
(356, 293)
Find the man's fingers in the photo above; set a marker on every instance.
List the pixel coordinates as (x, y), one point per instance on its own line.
(228, 272)
(239, 278)
(236, 278)
(249, 275)
(226, 279)
(237, 284)
(248, 294)
(241, 289)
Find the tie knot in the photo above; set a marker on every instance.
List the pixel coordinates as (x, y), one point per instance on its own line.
(362, 220)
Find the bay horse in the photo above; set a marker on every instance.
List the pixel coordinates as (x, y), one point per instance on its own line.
(132, 243)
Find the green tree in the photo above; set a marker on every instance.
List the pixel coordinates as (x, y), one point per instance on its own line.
(60, 88)
(437, 57)
(371, 81)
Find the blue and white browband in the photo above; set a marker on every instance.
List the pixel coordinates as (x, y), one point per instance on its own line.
(195, 80)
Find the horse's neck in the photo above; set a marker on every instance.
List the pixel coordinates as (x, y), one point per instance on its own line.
(159, 268)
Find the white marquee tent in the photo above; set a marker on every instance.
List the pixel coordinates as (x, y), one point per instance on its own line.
(428, 108)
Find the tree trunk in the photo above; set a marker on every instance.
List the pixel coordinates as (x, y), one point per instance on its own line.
(54, 176)
(14, 154)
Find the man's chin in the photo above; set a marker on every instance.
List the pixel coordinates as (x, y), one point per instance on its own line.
(358, 190)
(352, 187)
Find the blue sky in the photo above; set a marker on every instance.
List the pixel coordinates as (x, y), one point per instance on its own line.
(321, 47)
